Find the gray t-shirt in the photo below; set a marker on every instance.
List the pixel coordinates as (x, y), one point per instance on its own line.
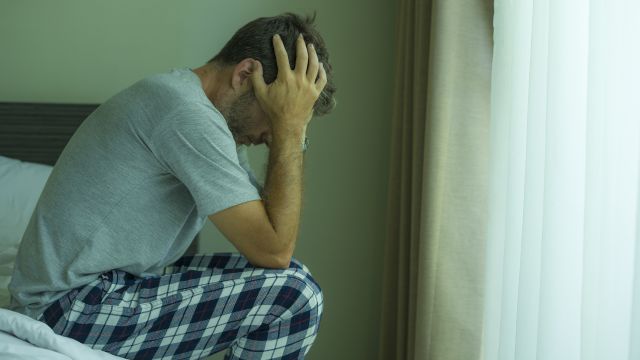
(131, 190)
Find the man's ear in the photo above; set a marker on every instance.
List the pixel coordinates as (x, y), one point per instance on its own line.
(241, 77)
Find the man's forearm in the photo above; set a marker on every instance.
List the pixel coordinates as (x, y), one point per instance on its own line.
(288, 102)
(283, 187)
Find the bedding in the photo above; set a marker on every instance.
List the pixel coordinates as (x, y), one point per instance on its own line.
(20, 186)
(20, 336)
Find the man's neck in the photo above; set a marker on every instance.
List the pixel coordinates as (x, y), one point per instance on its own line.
(212, 78)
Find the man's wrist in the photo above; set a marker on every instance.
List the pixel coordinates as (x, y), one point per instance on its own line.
(290, 136)
(293, 143)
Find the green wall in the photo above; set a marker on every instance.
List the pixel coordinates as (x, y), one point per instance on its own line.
(86, 51)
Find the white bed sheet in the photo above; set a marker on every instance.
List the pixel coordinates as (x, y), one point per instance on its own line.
(24, 338)
(13, 348)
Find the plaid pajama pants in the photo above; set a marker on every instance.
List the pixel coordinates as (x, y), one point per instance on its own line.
(201, 305)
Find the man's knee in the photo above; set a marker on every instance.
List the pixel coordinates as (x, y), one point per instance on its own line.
(309, 287)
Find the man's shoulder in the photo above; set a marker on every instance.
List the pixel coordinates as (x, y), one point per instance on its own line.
(194, 120)
(185, 90)
(168, 95)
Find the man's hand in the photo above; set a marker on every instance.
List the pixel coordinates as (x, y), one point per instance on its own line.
(289, 100)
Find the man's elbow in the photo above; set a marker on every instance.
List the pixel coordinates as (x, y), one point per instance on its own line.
(285, 262)
(282, 254)
(280, 261)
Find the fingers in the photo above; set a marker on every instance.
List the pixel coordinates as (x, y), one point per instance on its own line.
(312, 71)
(307, 63)
(322, 78)
(302, 56)
(281, 54)
(257, 79)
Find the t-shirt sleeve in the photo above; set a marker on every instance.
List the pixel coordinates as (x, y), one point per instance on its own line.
(196, 146)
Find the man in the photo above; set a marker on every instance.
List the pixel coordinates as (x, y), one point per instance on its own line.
(101, 259)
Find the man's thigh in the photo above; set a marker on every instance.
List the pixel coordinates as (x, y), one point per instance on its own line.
(197, 311)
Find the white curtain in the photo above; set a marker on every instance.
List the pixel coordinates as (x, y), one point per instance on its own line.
(563, 253)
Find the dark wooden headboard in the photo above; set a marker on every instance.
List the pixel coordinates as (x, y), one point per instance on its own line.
(38, 132)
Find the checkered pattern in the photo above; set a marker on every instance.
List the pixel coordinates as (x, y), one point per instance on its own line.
(202, 304)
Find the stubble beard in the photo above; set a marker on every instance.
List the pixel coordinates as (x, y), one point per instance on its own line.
(237, 116)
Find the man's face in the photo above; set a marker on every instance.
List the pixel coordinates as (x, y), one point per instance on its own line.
(247, 121)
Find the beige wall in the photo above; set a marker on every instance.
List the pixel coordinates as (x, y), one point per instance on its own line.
(85, 51)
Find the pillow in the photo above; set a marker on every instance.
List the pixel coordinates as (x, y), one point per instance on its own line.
(20, 186)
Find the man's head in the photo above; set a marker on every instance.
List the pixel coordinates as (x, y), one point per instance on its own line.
(255, 41)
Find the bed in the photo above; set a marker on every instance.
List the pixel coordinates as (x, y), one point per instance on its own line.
(32, 136)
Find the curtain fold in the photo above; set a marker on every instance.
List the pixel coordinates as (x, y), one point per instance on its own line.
(433, 285)
(563, 261)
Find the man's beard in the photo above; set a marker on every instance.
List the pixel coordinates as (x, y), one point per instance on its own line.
(237, 115)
